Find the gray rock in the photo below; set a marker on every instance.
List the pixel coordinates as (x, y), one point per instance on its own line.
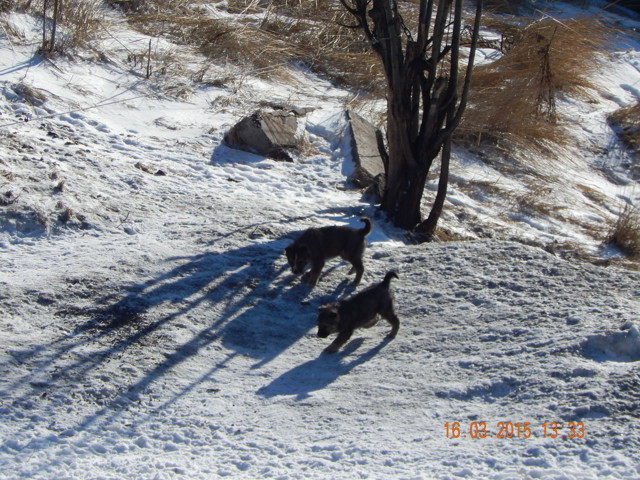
(369, 171)
(265, 133)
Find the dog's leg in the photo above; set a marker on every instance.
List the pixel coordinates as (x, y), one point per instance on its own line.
(391, 317)
(316, 269)
(358, 267)
(342, 338)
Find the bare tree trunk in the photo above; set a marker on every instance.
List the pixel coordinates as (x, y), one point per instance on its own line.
(404, 179)
(426, 230)
(54, 25)
(44, 46)
(423, 107)
(48, 44)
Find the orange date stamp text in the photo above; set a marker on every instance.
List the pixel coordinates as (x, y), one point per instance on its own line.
(514, 430)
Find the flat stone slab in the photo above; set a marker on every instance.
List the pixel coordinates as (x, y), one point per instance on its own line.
(369, 171)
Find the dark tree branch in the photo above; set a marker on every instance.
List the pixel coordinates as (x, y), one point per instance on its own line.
(422, 97)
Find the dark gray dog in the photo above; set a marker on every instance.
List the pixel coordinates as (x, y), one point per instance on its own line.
(316, 245)
(358, 311)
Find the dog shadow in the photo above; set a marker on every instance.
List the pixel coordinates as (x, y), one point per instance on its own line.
(243, 298)
(320, 372)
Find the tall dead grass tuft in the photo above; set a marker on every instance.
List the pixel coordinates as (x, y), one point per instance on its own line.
(325, 45)
(626, 123)
(625, 233)
(513, 100)
(78, 21)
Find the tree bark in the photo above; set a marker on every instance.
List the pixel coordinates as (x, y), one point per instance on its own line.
(426, 230)
(54, 25)
(423, 107)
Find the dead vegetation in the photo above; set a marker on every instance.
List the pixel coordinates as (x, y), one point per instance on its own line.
(625, 233)
(626, 122)
(513, 100)
(538, 200)
(543, 59)
(592, 194)
(78, 21)
(266, 39)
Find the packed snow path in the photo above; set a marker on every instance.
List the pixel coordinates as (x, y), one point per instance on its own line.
(150, 327)
(207, 365)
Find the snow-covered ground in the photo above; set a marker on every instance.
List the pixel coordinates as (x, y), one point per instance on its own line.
(150, 327)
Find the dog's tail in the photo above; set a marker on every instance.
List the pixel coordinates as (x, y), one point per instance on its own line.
(367, 226)
(387, 278)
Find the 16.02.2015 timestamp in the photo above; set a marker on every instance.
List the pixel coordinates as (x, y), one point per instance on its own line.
(515, 430)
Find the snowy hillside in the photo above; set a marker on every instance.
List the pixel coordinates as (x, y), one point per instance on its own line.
(150, 327)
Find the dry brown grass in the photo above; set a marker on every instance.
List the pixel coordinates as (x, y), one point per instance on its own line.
(592, 194)
(269, 40)
(9, 5)
(31, 95)
(523, 7)
(482, 187)
(503, 6)
(512, 102)
(537, 201)
(317, 31)
(219, 39)
(625, 233)
(150, 6)
(626, 122)
(78, 20)
(80, 24)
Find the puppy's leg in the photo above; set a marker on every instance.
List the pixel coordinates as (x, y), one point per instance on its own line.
(342, 338)
(316, 269)
(358, 267)
(391, 317)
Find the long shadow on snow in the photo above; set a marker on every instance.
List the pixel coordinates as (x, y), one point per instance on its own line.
(32, 62)
(320, 372)
(124, 322)
(257, 308)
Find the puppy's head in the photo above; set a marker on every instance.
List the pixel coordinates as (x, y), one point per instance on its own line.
(298, 257)
(328, 318)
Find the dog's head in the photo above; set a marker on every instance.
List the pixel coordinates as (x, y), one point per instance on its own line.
(328, 318)
(298, 257)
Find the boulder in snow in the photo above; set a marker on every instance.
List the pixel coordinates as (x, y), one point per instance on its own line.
(365, 150)
(266, 133)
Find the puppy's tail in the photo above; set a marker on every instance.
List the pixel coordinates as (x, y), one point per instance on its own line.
(387, 278)
(367, 226)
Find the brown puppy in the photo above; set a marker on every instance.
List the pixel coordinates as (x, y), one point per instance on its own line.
(316, 245)
(359, 311)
